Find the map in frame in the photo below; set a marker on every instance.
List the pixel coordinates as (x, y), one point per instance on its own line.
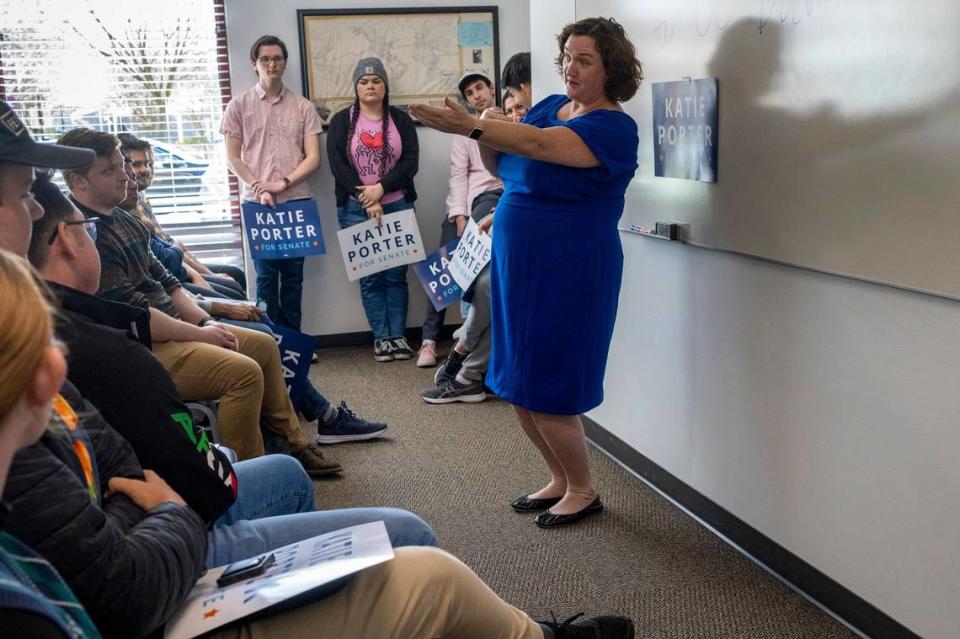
(424, 52)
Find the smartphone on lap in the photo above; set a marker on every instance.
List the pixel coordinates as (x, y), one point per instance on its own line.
(245, 569)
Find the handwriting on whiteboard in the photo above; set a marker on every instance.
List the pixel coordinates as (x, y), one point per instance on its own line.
(716, 15)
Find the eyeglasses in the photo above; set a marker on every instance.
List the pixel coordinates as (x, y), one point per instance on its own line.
(89, 225)
(275, 59)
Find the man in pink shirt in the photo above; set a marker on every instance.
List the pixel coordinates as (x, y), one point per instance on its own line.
(472, 192)
(273, 145)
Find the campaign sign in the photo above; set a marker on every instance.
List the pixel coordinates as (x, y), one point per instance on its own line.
(685, 128)
(434, 274)
(307, 565)
(367, 248)
(296, 349)
(472, 254)
(292, 229)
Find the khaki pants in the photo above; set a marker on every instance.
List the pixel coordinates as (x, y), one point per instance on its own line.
(423, 593)
(249, 384)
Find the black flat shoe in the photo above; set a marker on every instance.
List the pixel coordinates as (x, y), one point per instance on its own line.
(527, 504)
(550, 520)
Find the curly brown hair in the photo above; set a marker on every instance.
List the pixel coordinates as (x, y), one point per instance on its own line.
(624, 72)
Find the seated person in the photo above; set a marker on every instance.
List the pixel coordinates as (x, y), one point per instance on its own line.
(460, 378)
(140, 154)
(472, 191)
(170, 255)
(206, 360)
(145, 548)
(75, 274)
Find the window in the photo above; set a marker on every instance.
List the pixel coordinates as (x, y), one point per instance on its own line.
(155, 69)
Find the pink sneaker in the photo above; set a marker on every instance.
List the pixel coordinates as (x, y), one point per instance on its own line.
(427, 357)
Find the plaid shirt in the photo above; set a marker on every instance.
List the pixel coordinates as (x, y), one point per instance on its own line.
(29, 583)
(129, 272)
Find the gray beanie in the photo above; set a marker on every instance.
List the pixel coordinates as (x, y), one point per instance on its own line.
(370, 66)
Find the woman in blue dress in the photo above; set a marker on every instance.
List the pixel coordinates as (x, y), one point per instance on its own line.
(557, 261)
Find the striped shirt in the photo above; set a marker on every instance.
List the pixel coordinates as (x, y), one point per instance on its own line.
(129, 271)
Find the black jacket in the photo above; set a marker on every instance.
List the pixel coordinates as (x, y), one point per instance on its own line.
(345, 175)
(135, 395)
(130, 569)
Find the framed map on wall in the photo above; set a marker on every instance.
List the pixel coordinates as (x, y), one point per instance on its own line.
(424, 51)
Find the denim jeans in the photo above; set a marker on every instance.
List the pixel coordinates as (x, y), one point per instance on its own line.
(384, 294)
(274, 508)
(280, 287)
(312, 403)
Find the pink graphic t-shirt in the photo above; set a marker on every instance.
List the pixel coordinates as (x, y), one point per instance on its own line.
(365, 152)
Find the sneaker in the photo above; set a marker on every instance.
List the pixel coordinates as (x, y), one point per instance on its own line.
(427, 357)
(348, 427)
(401, 350)
(450, 367)
(383, 350)
(314, 358)
(315, 463)
(454, 391)
(601, 627)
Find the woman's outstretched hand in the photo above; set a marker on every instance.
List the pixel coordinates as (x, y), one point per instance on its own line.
(450, 118)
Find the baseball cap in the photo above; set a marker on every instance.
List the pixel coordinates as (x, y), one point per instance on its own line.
(17, 146)
(470, 76)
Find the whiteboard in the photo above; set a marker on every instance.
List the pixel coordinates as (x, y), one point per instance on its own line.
(839, 131)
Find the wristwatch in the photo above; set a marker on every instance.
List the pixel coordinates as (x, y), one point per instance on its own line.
(204, 320)
(477, 130)
(286, 182)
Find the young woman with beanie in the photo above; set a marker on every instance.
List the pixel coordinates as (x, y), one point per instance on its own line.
(374, 154)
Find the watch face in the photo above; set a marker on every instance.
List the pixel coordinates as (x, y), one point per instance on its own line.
(475, 133)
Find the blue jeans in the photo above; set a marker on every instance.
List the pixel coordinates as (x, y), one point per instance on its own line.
(312, 403)
(274, 508)
(280, 287)
(384, 294)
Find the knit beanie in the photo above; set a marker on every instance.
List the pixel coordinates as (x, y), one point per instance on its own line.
(370, 66)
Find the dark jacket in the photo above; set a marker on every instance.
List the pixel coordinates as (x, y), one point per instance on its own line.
(135, 395)
(130, 569)
(345, 175)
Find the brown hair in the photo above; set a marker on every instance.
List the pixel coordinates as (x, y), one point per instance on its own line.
(266, 41)
(56, 208)
(103, 144)
(619, 56)
(26, 328)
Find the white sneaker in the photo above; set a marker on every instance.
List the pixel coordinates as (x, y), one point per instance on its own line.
(427, 357)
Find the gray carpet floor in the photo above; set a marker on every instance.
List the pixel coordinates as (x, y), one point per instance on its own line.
(459, 465)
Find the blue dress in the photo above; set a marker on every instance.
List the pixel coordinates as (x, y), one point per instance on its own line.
(557, 265)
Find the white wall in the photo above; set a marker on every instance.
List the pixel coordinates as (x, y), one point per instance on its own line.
(331, 304)
(822, 411)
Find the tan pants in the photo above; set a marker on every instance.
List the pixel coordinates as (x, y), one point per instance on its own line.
(249, 384)
(423, 593)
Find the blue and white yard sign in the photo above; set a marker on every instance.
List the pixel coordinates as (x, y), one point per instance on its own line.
(292, 229)
(434, 274)
(685, 123)
(367, 248)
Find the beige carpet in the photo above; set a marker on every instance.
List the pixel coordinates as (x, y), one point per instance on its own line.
(458, 466)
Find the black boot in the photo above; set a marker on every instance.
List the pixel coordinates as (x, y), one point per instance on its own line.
(600, 627)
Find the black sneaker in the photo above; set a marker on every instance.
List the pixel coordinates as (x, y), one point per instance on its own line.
(383, 350)
(602, 627)
(401, 350)
(454, 391)
(348, 427)
(450, 367)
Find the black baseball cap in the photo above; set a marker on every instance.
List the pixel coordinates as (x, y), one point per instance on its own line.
(17, 146)
(469, 77)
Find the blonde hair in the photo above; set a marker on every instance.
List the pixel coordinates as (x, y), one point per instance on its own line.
(26, 328)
